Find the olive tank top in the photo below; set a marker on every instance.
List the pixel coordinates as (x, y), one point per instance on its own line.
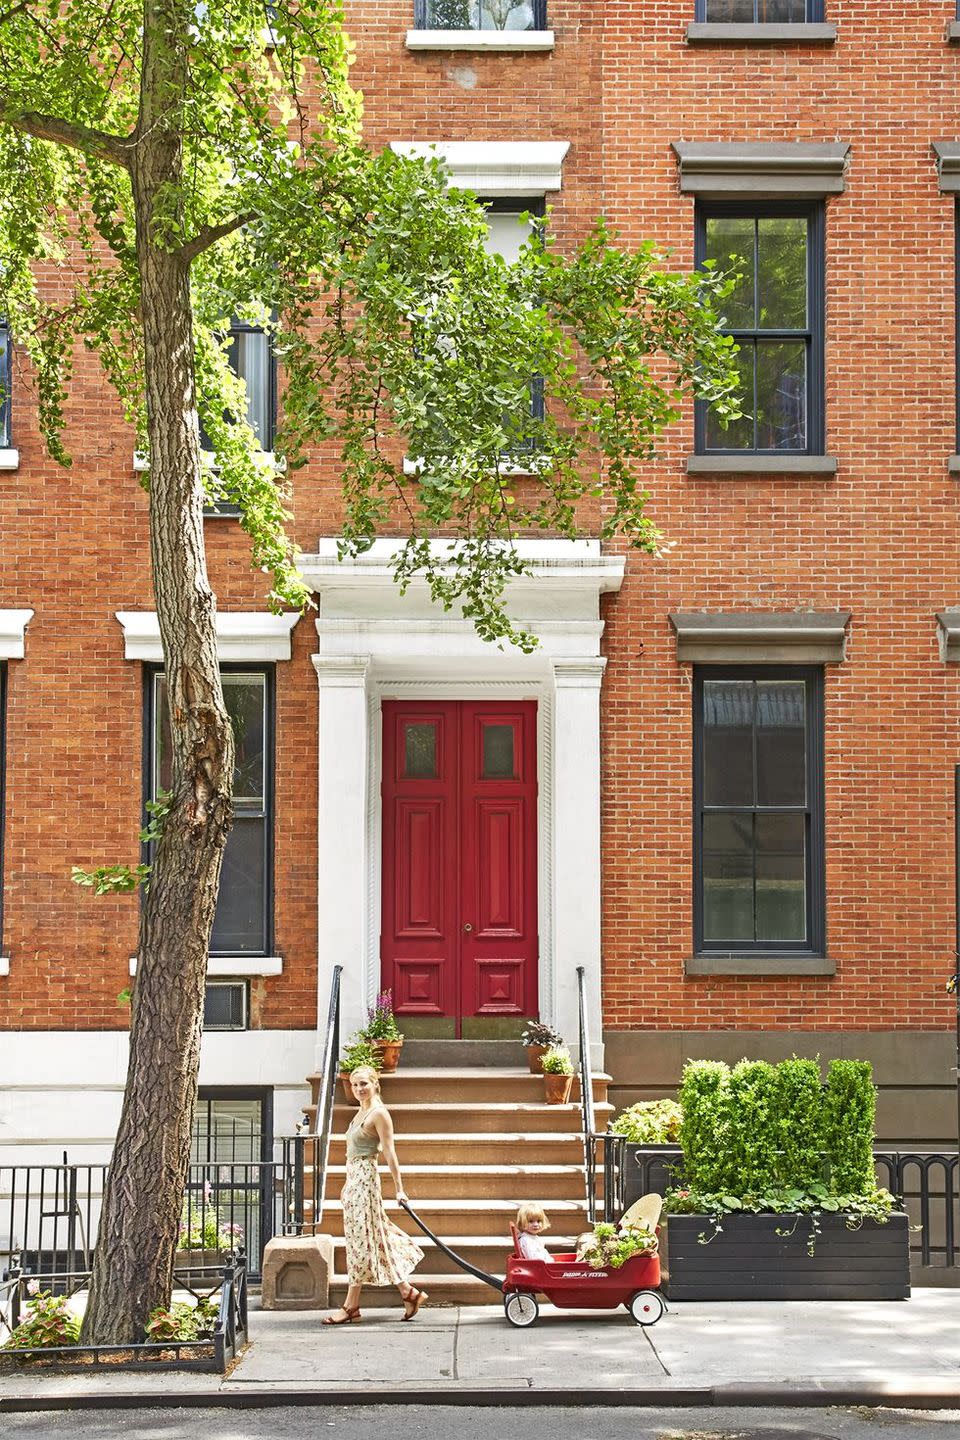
(361, 1146)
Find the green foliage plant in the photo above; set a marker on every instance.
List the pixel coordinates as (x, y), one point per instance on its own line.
(381, 1021)
(649, 1122)
(206, 1231)
(48, 1323)
(850, 1103)
(556, 1061)
(183, 1321)
(609, 1248)
(703, 1131)
(359, 1051)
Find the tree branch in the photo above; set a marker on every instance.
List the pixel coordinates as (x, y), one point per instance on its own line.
(14, 10)
(208, 235)
(68, 132)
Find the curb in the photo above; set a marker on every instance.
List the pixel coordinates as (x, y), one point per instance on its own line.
(915, 1395)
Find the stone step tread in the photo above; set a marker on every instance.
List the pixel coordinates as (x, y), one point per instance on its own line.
(501, 1243)
(494, 1107)
(489, 1137)
(425, 1281)
(481, 1170)
(438, 1202)
(450, 1072)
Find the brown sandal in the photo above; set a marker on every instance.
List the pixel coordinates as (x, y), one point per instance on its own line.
(349, 1316)
(412, 1301)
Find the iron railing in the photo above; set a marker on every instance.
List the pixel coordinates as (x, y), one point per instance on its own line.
(49, 1214)
(212, 1354)
(480, 14)
(927, 1183)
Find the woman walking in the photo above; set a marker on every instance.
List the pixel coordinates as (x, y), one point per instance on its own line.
(378, 1253)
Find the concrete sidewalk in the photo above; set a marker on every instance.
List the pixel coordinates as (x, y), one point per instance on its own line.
(820, 1353)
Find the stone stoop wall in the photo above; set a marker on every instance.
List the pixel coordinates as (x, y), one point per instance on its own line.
(878, 539)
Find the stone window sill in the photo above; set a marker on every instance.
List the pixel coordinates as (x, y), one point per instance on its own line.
(4, 965)
(953, 32)
(235, 967)
(773, 965)
(492, 40)
(536, 465)
(805, 33)
(761, 464)
(9, 458)
(141, 461)
(953, 464)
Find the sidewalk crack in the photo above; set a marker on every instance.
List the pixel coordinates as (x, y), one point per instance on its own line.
(456, 1347)
(649, 1339)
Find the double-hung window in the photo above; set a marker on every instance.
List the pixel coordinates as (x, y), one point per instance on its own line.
(3, 754)
(252, 359)
(6, 378)
(243, 922)
(759, 12)
(776, 315)
(480, 14)
(507, 233)
(758, 798)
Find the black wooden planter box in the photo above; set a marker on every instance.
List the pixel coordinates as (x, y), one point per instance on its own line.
(748, 1260)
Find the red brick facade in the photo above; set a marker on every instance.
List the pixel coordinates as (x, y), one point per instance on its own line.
(879, 539)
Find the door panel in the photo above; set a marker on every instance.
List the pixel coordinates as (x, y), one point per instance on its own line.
(459, 930)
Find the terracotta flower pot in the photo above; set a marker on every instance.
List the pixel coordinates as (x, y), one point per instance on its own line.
(349, 1096)
(557, 1088)
(389, 1051)
(534, 1055)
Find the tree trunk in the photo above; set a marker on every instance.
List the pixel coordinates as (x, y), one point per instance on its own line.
(139, 1225)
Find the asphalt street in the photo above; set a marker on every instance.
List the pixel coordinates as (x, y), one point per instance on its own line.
(457, 1423)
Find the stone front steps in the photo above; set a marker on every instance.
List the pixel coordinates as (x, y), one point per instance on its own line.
(474, 1144)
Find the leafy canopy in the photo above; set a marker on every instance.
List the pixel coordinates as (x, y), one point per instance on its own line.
(396, 331)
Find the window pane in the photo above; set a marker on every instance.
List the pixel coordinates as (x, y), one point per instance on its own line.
(506, 233)
(782, 12)
(728, 742)
(781, 743)
(739, 433)
(782, 273)
(745, 11)
(162, 744)
(250, 358)
(479, 14)
(781, 872)
(5, 374)
(245, 697)
(420, 751)
(223, 1007)
(728, 877)
(730, 242)
(781, 395)
(226, 1130)
(238, 926)
(498, 752)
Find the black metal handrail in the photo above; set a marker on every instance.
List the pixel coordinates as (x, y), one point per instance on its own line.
(588, 1120)
(303, 1153)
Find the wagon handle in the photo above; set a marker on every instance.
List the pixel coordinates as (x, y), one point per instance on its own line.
(491, 1280)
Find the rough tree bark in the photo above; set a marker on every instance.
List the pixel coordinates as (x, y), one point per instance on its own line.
(145, 1185)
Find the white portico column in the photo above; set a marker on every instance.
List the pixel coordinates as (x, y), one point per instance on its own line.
(576, 867)
(342, 836)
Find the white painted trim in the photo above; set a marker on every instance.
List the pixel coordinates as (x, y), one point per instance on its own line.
(266, 460)
(495, 167)
(513, 40)
(241, 635)
(9, 458)
(535, 465)
(4, 965)
(376, 644)
(235, 967)
(13, 625)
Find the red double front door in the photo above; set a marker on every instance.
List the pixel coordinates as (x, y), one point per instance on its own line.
(459, 924)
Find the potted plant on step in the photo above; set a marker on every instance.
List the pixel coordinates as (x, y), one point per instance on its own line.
(383, 1032)
(557, 1074)
(537, 1038)
(357, 1051)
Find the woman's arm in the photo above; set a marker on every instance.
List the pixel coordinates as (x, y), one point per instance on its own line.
(384, 1128)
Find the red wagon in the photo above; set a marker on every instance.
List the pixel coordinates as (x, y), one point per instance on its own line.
(572, 1285)
(567, 1282)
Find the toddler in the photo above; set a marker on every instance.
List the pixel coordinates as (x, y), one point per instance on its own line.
(531, 1221)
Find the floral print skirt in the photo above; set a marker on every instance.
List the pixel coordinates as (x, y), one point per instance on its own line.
(378, 1253)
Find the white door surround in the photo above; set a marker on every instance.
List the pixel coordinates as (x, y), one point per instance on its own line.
(376, 644)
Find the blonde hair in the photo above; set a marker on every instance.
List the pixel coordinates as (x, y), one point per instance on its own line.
(366, 1072)
(526, 1213)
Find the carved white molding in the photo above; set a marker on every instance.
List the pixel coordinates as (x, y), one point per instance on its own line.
(241, 635)
(13, 625)
(495, 167)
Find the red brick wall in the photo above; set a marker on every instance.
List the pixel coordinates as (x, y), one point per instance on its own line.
(879, 539)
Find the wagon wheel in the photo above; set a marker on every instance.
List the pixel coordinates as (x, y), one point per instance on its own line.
(521, 1309)
(646, 1306)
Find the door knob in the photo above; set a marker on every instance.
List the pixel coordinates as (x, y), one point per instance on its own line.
(468, 927)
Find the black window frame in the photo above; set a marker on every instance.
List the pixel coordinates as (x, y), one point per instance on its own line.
(956, 309)
(421, 18)
(815, 832)
(228, 508)
(815, 213)
(519, 205)
(269, 813)
(814, 15)
(263, 1093)
(6, 388)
